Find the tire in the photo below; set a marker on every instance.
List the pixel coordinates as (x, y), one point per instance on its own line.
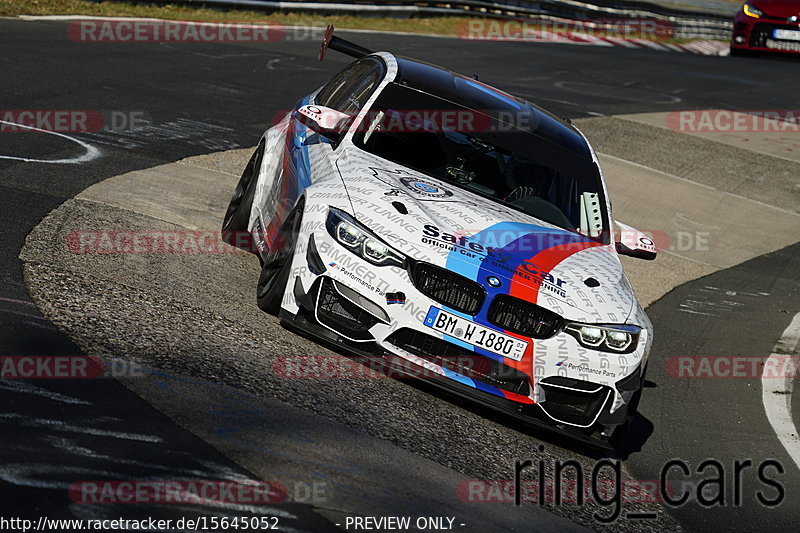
(275, 269)
(237, 217)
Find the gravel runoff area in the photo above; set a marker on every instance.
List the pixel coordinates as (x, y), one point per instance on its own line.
(194, 315)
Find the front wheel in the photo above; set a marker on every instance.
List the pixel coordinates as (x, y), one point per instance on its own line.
(275, 270)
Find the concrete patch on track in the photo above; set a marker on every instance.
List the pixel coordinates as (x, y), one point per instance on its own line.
(703, 229)
(770, 132)
(750, 173)
(711, 205)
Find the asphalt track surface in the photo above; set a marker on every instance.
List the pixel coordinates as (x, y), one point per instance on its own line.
(213, 97)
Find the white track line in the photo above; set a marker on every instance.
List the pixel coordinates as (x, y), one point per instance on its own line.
(697, 183)
(776, 393)
(90, 151)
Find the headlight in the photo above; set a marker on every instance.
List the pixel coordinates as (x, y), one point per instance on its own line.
(620, 338)
(359, 240)
(751, 11)
(348, 234)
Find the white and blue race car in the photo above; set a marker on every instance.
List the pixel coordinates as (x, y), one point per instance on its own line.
(406, 212)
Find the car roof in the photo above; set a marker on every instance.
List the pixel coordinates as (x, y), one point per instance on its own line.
(477, 95)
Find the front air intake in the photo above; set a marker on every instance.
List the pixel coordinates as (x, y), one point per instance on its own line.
(524, 318)
(448, 288)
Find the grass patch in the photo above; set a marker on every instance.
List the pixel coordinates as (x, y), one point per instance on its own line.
(430, 25)
(436, 25)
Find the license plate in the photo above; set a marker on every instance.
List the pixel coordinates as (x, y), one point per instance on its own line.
(788, 35)
(475, 334)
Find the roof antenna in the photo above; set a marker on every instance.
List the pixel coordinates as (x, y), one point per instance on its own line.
(475, 77)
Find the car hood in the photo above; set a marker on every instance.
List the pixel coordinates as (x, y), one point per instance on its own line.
(505, 250)
(778, 8)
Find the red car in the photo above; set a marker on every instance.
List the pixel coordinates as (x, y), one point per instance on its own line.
(767, 26)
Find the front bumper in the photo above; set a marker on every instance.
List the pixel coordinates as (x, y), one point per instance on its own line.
(338, 299)
(758, 35)
(531, 416)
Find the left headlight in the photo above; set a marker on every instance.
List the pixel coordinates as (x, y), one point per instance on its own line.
(615, 338)
(355, 237)
(752, 11)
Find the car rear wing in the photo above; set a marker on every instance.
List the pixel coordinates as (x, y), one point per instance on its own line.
(340, 45)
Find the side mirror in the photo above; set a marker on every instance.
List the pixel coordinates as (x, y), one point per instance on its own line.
(634, 243)
(323, 120)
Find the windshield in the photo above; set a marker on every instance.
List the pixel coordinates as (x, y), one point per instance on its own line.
(488, 153)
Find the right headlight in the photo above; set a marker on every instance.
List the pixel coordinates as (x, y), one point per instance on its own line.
(614, 338)
(358, 239)
(751, 11)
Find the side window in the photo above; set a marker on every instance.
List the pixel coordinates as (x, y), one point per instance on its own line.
(349, 90)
